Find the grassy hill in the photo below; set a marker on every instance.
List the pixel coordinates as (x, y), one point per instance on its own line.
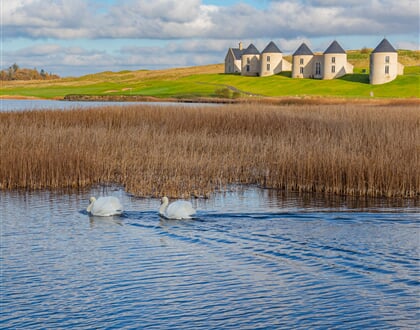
(209, 81)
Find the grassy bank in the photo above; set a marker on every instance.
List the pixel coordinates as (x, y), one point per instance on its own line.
(209, 81)
(216, 85)
(179, 151)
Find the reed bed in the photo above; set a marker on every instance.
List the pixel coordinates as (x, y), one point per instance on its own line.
(182, 151)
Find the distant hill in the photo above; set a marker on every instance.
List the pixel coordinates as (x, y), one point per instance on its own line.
(209, 81)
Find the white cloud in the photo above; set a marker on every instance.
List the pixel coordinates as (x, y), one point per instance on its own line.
(68, 60)
(167, 10)
(189, 31)
(172, 19)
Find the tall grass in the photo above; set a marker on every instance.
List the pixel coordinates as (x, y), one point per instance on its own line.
(358, 150)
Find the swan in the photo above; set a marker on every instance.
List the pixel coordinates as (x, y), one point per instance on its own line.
(105, 206)
(176, 210)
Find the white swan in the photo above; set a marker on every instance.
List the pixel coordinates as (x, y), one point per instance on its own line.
(105, 206)
(176, 210)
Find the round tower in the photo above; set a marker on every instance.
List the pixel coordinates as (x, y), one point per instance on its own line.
(271, 60)
(250, 61)
(302, 62)
(383, 63)
(335, 61)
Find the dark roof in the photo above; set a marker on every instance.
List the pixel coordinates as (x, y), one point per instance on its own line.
(335, 48)
(251, 50)
(384, 47)
(303, 50)
(271, 48)
(237, 53)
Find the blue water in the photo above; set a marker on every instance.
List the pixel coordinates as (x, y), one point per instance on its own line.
(252, 259)
(22, 105)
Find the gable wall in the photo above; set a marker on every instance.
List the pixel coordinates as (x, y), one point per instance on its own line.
(232, 65)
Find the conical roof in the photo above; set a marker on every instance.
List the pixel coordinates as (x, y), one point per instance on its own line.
(271, 48)
(251, 50)
(384, 47)
(303, 50)
(335, 48)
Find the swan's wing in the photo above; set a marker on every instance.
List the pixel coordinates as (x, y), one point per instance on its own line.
(107, 206)
(180, 210)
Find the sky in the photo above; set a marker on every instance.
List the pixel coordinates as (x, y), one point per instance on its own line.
(78, 37)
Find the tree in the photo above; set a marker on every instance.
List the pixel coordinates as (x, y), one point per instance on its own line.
(15, 67)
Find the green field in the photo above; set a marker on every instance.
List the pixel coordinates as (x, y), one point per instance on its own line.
(209, 81)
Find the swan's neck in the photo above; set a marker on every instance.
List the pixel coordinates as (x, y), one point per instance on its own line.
(89, 208)
(163, 207)
(92, 201)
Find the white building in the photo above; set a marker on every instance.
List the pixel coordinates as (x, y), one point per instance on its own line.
(329, 65)
(233, 60)
(250, 62)
(272, 61)
(384, 66)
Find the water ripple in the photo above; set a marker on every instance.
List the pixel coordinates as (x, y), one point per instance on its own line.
(246, 262)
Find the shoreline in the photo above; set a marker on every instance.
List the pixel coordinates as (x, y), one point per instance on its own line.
(284, 100)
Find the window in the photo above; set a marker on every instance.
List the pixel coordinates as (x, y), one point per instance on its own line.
(386, 69)
(386, 59)
(268, 58)
(301, 70)
(247, 68)
(248, 60)
(301, 61)
(333, 59)
(317, 68)
(333, 69)
(268, 67)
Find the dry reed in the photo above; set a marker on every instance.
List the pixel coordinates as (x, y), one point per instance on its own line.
(180, 151)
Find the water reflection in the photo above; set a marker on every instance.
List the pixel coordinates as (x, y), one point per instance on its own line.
(101, 221)
(336, 202)
(281, 201)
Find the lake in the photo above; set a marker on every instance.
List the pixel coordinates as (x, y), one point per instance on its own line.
(252, 259)
(21, 105)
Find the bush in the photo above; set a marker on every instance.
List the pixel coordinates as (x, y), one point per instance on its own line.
(224, 93)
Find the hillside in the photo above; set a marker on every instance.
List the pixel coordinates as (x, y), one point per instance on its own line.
(209, 81)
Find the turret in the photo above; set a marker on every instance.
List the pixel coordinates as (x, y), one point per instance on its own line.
(250, 61)
(384, 66)
(302, 62)
(335, 61)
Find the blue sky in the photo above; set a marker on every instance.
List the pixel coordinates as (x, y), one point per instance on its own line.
(77, 37)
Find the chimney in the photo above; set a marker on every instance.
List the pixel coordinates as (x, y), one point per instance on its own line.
(240, 45)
